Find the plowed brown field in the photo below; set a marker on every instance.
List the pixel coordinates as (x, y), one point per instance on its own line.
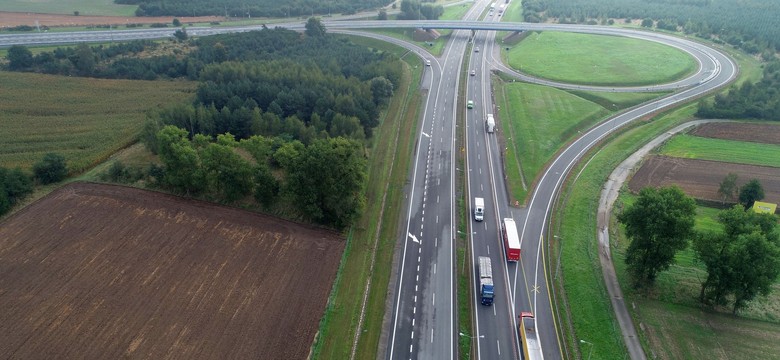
(701, 178)
(107, 272)
(761, 133)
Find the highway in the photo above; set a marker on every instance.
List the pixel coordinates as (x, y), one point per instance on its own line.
(423, 324)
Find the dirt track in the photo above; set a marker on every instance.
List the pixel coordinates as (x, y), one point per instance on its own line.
(107, 272)
(701, 178)
(10, 19)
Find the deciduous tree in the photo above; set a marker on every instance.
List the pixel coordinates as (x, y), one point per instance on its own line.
(659, 224)
(743, 261)
(50, 169)
(728, 187)
(750, 193)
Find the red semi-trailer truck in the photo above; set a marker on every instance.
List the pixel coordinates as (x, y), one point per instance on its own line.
(511, 240)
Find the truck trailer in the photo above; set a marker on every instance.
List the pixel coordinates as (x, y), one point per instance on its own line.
(529, 337)
(479, 209)
(485, 280)
(490, 123)
(511, 239)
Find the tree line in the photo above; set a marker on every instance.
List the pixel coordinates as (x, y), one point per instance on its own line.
(323, 180)
(742, 261)
(251, 8)
(760, 100)
(751, 25)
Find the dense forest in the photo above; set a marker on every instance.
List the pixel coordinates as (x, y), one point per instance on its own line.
(759, 100)
(250, 8)
(751, 25)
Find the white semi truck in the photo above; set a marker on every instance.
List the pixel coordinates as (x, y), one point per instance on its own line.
(490, 123)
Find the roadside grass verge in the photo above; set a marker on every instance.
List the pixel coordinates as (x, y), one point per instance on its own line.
(84, 7)
(742, 152)
(85, 120)
(588, 306)
(390, 157)
(536, 122)
(463, 254)
(593, 59)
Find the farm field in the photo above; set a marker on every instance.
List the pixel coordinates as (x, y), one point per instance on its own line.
(84, 7)
(701, 178)
(85, 120)
(10, 19)
(743, 152)
(591, 59)
(752, 132)
(107, 272)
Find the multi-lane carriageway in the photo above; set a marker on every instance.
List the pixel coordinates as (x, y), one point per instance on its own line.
(424, 301)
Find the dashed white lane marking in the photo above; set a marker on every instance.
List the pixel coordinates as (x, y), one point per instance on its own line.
(434, 268)
(415, 290)
(410, 348)
(437, 219)
(431, 335)
(480, 171)
(417, 278)
(498, 345)
(413, 322)
(437, 199)
(437, 242)
(423, 132)
(481, 188)
(412, 335)
(434, 299)
(438, 181)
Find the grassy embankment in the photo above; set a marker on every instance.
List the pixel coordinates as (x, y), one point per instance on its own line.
(435, 47)
(594, 60)
(741, 152)
(388, 167)
(537, 121)
(575, 222)
(84, 7)
(85, 120)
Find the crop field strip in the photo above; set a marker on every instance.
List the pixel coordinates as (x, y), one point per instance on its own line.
(85, 120)
(99, 271)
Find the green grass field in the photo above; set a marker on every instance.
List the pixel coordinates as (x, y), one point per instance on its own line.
(617, 100)
(599, 59)
(85, 120)
(695, 147)
(84, 7)
(537, 121)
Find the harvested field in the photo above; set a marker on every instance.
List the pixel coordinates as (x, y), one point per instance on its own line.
(10, 19)
(108, 272)
(701, 178)
(760, 133)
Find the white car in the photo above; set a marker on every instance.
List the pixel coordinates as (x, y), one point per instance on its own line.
(427, 63)
(476, 49)
(473, 72)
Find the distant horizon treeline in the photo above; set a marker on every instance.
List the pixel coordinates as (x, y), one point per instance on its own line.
(250, 8)
(760, 100)
(753, 26)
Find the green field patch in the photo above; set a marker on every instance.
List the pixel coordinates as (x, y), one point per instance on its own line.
(536, 122)
(599, 59)
(84, 7)
(617, 100)
(695, 147)
(85, 120)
